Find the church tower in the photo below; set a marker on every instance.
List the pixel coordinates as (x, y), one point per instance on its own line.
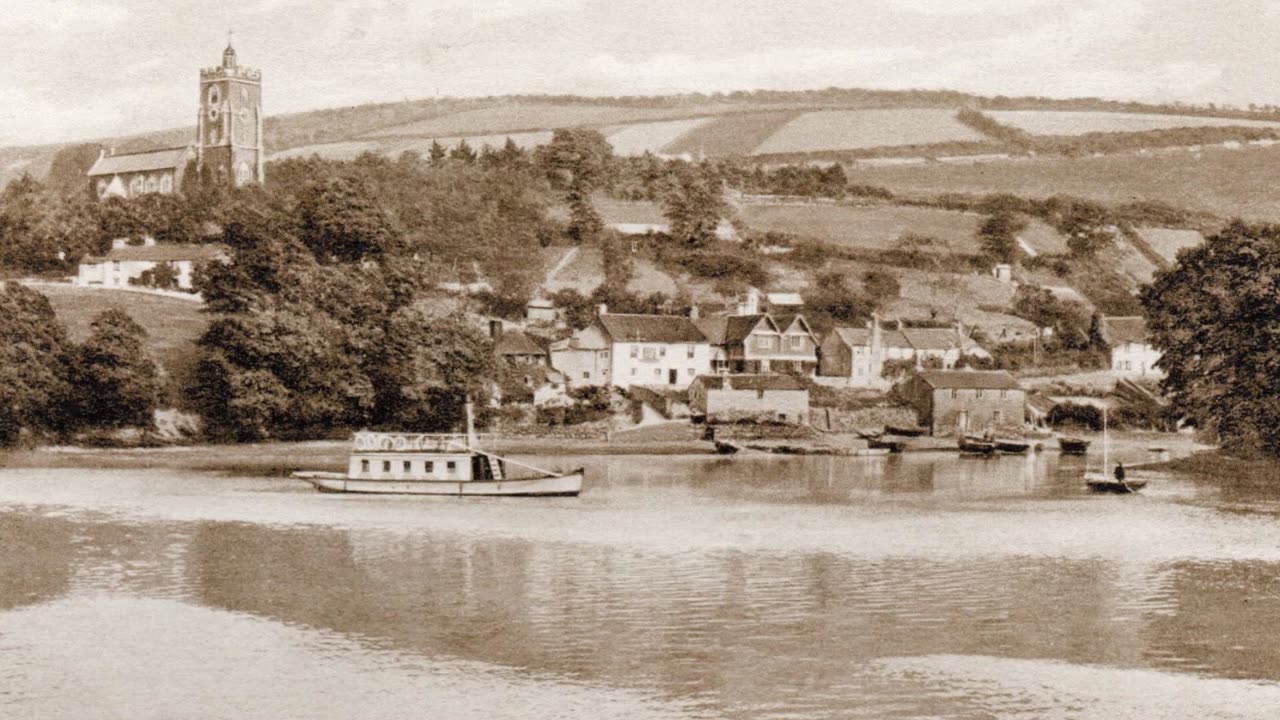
(229, 127)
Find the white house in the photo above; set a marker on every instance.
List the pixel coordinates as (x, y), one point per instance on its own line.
(1131, 352)
(127, 262)
(625, 350)
(857, 355)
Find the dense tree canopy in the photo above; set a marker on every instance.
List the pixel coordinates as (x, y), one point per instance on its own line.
(1216, 319)
(35, 365)
(117, 382)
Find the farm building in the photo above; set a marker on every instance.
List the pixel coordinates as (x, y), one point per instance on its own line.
(726, 398)
(959, 401)
(125, 263)
(1131, 352)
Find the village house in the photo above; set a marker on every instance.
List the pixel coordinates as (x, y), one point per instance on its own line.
(1132, 355)
(541, 311)
(125, 262)
(515, 346)
(857, 355)
(761, 344)
(625, 350)
(726, 398)
(965, 401)
(548, 385)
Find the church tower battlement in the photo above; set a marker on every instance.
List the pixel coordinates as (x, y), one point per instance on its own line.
(229, 124)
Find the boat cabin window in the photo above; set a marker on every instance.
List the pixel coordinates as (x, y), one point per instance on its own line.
(364, 466)
(386, 466)
(408, 466)
(429, 466)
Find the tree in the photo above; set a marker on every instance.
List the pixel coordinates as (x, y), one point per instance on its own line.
(578, 160)
(1216, 318)
(342, 219)
(880, 286)
(998, 236)
(164, 276)
(438, 153)
(832, 296)
(693, 205)
(117, 384)
(427, 368)
(35, 365)
(41, 232)
(463, 153)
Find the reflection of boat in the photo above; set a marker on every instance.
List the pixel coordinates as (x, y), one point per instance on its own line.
(423, 464)
(1112, 482)
(1073, 446)
(975, 445)
(904, 431)
(893, 446)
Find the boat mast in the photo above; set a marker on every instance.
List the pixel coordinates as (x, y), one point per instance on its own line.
(1106, 442)
(472, 440)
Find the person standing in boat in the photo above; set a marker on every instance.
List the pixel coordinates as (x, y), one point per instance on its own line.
(1120, 472)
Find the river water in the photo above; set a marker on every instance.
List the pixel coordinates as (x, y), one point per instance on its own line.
(920, 586)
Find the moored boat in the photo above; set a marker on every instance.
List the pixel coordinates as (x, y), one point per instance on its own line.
(1103, 482)
(1073, 446)
(904, 431)
(974, 445)
(433, 464)
(1011, 447)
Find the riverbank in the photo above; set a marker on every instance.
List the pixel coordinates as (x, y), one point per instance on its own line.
(281, 458)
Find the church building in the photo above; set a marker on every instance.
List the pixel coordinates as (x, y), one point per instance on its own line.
(228, 140)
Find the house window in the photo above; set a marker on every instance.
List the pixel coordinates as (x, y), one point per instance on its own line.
(115, 265)
(604, 354)
(635, 351)
(764, 343)
(977, 393)
(662, 352)
(633, 372)
(364, 466)
(797, 342)
(429, 466)
(690, 352)
(1002, 394)
(408, 466)
(386, 466)
(451, 466)
(586, 375)
(954, 394)
(690, 372)
(650, 353)
(657, 372)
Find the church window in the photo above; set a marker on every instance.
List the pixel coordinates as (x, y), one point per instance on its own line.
(243, 174)
(151, 185)
(215, 97)
(166, 183)
(135, 185)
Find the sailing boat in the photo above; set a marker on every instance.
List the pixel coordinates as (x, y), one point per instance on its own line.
(1104, 481)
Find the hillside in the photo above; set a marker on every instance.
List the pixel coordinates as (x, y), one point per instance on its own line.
(833, 124)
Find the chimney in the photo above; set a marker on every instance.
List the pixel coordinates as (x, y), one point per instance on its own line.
(753, 302)
(120, 242)
(603, 309)
(899, 324)
(495, 329)
(693, 313)
(876, 338)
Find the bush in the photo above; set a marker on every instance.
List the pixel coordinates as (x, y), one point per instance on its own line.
(1075, 415)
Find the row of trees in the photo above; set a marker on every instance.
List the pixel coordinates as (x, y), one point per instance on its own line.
(52, 386)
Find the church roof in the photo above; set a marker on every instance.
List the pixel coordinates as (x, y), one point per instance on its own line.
(167, 159)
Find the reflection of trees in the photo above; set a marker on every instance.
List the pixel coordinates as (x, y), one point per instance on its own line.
(36, 556)
(725, 624)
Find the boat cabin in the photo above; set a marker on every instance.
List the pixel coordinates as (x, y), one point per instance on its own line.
(415, 456)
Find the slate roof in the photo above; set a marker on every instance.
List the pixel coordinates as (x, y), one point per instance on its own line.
(516, 342)
(969, 380)
(162, 253)
(932, 338)
(917, 338)
(1121, 330)
(713, 328)
(651, 328)
(752, 382)
(167, 159)
(739, 327)
(854, 337)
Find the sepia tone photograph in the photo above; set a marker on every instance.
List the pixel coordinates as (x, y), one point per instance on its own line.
(609, 360)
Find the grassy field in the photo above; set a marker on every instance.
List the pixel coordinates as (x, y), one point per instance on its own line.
(652, 137)
(1042, 238)
(853, 129)
(736, 134)
(1224, 182)
(172, 325)
(875, 228)
(1065, 122)
(1168, 242)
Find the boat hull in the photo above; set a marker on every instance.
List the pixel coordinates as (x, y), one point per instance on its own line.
(1104, 483)
(567, 485)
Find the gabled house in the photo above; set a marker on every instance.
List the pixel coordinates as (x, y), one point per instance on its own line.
(625, 350)
(1132, 354)
(761, 343)
(517, 347)
(964, 401)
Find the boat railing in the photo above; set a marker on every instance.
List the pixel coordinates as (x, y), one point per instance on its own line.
(411, 442)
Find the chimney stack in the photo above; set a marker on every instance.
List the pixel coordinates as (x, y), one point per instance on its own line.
(603, 309)
(693, 313)
(495, 329)
(876, 337)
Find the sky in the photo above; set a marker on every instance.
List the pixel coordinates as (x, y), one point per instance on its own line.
(84, 69)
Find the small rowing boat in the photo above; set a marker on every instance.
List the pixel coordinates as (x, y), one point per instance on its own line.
(1073, 446)
(975, 445)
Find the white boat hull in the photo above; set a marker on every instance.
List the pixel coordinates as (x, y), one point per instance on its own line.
(549, 486)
